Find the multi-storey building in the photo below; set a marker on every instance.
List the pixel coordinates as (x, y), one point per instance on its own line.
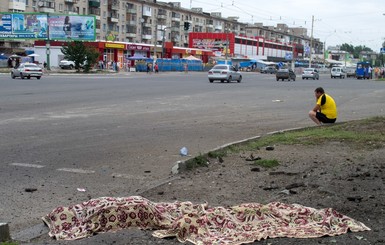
(153, 22)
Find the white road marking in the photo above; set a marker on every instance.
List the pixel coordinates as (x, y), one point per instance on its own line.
(128, 176)
(28, 165)
(76, 170)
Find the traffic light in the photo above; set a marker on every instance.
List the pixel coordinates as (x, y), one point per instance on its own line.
(187, 26)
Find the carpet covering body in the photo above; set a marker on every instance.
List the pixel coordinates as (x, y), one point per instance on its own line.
(198, 223)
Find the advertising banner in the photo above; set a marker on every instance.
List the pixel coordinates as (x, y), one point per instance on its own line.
(43, 26)
(23, 26)
(72, 27)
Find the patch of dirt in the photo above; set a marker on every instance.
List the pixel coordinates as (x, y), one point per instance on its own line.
(338, 175)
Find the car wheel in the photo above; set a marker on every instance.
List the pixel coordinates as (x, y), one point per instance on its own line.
(12, 75)
(21, 76)
(239, 79)
(38, 78)
(71, 67)
(277, 79)
(229, 79)
(211, 80)
(222, 81)
(29, 77)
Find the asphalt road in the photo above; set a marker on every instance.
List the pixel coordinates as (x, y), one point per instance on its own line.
(72, 137)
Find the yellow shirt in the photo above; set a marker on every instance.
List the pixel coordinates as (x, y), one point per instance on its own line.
(328, 106)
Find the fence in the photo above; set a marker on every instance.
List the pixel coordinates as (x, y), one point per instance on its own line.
(171, 65)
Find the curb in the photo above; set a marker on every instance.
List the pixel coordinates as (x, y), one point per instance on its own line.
(181, 166)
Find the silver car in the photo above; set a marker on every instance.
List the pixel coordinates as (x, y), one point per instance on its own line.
(27, 70)
(310, 73)
(224, 73)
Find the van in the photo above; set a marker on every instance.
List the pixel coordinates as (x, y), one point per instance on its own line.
(337, 72)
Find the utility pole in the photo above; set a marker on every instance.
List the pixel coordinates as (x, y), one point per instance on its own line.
(155, 42)
(227, 43)
(48, 45)
(311, 40)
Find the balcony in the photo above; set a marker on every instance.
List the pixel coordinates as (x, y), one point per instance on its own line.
(70, 11)
(46, 6)
(218, 28)
(209, 23)
(131, 10)
(20, 6)
(175, 29)
(47, 10)
(175, 17)
(94, 3)
(113, 19)
(147, 36)
(131, 35)
(131, 22)
(148, 25)
(70, 1)
(147, 11)
(162, 16)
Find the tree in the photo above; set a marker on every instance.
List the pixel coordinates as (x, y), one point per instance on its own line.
(355, 50)
(92, 55)
(81, 55)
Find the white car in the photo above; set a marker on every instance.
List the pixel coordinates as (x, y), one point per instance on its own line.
(223, 73)
(67, 64)
(27, 70)
(311, 73)
(337, 72)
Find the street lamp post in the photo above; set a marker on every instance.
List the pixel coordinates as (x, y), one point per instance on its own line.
(164, 39)
(311, 41)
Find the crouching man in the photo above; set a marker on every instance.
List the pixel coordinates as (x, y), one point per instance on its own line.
(325, 110)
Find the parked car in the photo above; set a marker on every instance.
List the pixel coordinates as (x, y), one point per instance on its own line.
(285, 74)
(337, 72)
(311, 73)
(27, 70)
(351, 71)
(224, 73)
(269, 69)
(67, 64)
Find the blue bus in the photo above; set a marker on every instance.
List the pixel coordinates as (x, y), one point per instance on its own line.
(362, 70)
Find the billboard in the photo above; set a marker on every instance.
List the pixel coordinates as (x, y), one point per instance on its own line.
(43, 26)
(23, 26)
(72, 27)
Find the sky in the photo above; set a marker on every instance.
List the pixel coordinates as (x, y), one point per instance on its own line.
(355, 22)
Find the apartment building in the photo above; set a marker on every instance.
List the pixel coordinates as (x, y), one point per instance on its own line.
(149, 21)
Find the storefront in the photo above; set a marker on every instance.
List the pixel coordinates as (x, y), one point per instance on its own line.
(120, 52)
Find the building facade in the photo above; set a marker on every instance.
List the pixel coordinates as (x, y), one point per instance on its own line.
(153, 22)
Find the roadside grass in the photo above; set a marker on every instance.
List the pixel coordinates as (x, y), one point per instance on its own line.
(366, 134)
(267, 163)
(8, 243)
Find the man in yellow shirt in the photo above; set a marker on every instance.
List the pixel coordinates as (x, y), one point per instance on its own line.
(325, 110)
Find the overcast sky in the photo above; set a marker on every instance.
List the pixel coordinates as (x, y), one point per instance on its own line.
(356, 22)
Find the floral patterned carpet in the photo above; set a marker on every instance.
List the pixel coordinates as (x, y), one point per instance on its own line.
(198, 223)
